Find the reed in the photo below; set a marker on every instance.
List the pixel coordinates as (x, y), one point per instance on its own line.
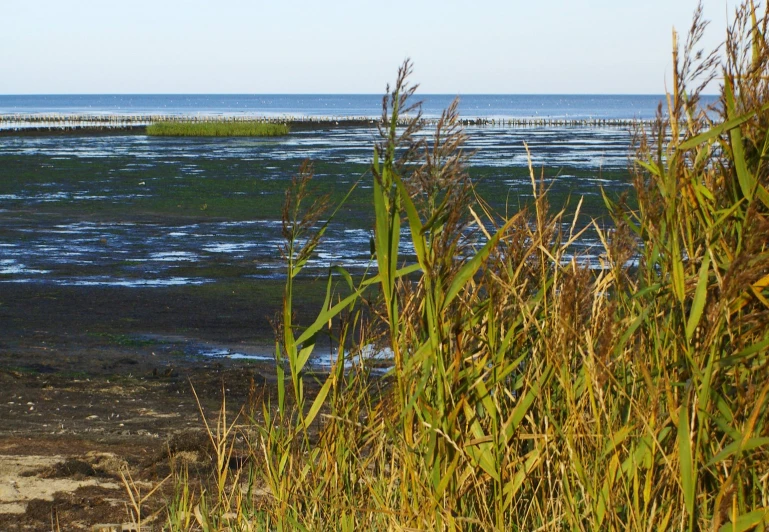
(216, 129)
(527, 391)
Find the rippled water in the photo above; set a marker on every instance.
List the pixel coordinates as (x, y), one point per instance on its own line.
(147, 254)
(71, 249)
(582, 147)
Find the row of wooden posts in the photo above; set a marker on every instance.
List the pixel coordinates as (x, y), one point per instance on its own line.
(115, 120)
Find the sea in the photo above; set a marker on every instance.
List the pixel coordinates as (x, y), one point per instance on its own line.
(574, 106)
(80, 173)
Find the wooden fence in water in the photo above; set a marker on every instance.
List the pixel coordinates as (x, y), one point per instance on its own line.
(117, 121)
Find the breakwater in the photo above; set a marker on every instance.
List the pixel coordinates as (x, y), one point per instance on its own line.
(132, 121)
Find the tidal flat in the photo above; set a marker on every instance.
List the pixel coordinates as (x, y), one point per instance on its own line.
(131, 220)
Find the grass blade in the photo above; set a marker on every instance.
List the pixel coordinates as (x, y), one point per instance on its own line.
(688, 479)
(700, 295)
(719, 129)
(747, 521)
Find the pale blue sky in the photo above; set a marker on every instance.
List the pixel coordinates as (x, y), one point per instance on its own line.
(342, 46)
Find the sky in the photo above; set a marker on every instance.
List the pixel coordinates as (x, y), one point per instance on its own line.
(341, 46)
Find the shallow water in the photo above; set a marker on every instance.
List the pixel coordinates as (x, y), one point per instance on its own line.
(580, 147)
(69, 204)
(147, 254)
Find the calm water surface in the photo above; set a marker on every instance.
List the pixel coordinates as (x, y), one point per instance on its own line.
(356, 105)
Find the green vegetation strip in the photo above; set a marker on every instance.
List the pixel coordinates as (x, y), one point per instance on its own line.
(217, 129)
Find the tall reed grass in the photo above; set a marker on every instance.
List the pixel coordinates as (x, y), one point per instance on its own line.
(529, 391)
(216, 129)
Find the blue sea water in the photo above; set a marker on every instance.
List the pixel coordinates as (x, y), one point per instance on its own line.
(348, 105)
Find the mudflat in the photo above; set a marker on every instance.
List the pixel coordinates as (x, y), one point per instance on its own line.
(96, 384)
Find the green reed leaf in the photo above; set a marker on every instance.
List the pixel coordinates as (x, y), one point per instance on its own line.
(281, 380)
(510, 426)
(415, 224)
(482, 455)
(616, 439)
(637, 321)
(511, 488)
(747, 521)
(447, 476)
(744, 177)
(304, 354)
(318, 402)
(329, 313)
(737, 447)
(652, 168)
(688, 479)
(745, 354)
(700, 296)
(719, 129)
(677, 267)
